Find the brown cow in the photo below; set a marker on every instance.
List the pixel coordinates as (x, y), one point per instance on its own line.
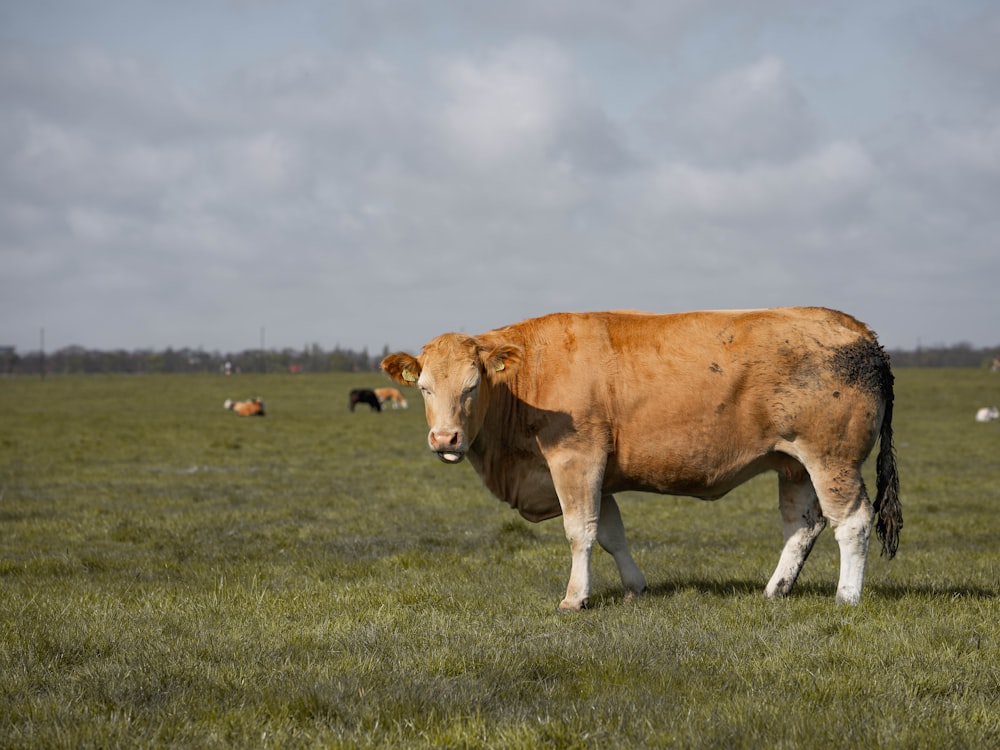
(393, 396)
(252, 408)
(558, 413)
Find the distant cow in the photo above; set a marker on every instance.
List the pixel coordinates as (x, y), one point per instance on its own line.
(252, 408)
(365, 396)
(987, 414)
(393, 396)
(558, 413)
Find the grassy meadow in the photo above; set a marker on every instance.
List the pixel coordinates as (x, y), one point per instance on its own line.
(172, 575)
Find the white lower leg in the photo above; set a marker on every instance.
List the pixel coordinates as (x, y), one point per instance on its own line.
(852, 535)
(581, 536)
(799, 540)
(803, 521)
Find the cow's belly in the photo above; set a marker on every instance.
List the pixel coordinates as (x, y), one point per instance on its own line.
(707, 475)
(527, 485)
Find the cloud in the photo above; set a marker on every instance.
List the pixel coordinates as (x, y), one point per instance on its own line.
(819, 188)
(526, 104)
(509, 108)
(960, 56)
(459, 167)
(739, 117)
(650, 25)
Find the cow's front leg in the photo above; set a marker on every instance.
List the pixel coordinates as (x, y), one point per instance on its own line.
(581, 531)
(578, 484)
(611, 536)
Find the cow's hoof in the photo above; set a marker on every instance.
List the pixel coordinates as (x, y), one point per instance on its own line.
(631, 596)
(779, 590)
(567, 606)
(849, 597)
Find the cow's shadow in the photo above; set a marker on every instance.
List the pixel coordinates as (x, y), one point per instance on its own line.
(734, 587)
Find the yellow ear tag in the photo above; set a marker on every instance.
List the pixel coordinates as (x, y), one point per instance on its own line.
(499, 366)
(409, 377)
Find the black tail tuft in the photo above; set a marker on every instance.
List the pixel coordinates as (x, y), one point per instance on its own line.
(887, 505)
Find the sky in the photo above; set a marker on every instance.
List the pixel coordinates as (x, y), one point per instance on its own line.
(211, 173)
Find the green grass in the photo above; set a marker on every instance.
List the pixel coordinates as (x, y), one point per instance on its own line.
(173, 575)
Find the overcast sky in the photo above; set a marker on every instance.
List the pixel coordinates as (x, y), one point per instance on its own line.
(185, 173)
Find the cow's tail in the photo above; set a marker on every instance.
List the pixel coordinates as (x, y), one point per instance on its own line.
(887, 506)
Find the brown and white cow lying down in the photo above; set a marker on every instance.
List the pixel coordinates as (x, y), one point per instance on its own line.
(392, 396)
(252, 408)
(558, 413)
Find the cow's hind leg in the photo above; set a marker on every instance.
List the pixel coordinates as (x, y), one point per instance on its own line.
(611, 536)
(853, 531)
(845, 504)
(802, 523)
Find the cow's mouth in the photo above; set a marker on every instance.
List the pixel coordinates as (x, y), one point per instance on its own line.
(450, 457)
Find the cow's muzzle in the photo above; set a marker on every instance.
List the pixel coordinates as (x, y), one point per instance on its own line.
(448, 445)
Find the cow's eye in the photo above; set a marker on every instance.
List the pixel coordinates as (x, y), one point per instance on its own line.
(470, 390)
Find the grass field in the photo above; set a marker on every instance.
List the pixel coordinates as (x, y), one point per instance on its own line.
(174, 576)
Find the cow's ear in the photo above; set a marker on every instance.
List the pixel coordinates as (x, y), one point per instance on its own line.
(402, 368)
(501, 363)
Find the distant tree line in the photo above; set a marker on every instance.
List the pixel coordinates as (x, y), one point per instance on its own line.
(74, 360)
(956, 355)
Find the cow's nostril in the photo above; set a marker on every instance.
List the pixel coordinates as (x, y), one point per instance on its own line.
(445, 440)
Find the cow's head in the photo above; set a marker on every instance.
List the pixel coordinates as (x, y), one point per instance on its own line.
(455, 373)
